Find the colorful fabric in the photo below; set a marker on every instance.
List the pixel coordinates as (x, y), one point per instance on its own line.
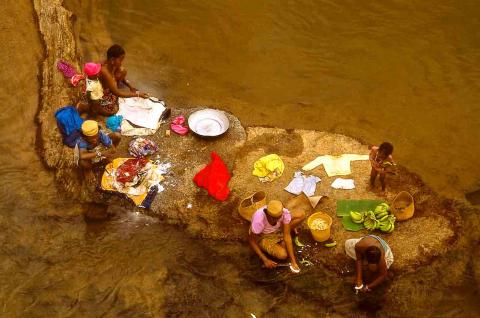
(113, 122)
(103, 139)
(260, 224)
(67, 69)
(335, 165)
(268, 168)
(214, 177)
(178, 125)
(128, 172)
(141, 147)
(76, 79)
(152, 175)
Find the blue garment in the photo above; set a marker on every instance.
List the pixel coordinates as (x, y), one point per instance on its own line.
(114, 122)
(382, 241)
(69, 123)
(103, 139)
(152, 193)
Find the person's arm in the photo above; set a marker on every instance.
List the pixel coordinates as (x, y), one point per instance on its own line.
(358, 265)
(110, 82)
(252, 239)
(381, 276)
(287, 237)
(127, 83)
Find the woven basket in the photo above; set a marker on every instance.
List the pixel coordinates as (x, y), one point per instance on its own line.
(403, 206)
(252, 203)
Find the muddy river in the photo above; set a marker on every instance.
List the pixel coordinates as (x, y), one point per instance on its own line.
(392, 70)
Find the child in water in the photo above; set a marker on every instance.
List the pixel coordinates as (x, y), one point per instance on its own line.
(382, 162)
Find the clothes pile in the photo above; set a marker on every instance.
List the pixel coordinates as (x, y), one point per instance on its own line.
(141, 147)
(142, 112)
(133, 177)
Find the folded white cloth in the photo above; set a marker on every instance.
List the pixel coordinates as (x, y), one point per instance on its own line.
(141, 111)
(345, 184)
(301, 183)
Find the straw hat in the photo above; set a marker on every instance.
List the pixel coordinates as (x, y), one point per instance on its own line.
(90, 128)
(275, 208)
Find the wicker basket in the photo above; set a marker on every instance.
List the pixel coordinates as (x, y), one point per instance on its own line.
(252, 203)
(403, 206)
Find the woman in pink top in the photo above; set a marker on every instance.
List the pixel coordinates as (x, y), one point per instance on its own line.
(270, 233)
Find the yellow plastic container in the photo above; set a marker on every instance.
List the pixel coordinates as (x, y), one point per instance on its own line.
(320, 235)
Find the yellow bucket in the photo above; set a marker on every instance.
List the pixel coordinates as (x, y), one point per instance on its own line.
(403, 206)
(320, 235)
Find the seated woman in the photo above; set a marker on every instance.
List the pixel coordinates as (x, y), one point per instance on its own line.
(110, 70)
(373, 257)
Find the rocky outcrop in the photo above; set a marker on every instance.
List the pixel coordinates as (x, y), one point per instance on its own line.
(56, 29)
(414, 242)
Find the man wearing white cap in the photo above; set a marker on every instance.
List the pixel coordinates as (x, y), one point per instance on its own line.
(94, 147)
(270, 233)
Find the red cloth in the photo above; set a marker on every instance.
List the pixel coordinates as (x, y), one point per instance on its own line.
(127, 171)
(214, 177)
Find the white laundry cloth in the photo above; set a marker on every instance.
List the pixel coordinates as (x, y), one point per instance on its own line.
(127, 129)
(335, 165)
(345, 184)
(301, 183)
(141, 111)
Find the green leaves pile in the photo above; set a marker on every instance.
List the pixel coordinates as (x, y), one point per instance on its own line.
(380, 218)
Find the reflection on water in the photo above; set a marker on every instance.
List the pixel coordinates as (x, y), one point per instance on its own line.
(295, 62)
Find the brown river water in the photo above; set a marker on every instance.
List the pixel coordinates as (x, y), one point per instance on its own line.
(401, 71)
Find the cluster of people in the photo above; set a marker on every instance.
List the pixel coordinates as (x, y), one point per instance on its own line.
(272, 227)
(104, 83)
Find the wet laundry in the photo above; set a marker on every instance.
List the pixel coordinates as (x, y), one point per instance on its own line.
(335, 165)
(345, 184)
(214, 177)
(142, 112)
(302, 183)
(268, 168)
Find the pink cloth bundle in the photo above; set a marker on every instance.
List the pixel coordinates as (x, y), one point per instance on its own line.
(178, 125)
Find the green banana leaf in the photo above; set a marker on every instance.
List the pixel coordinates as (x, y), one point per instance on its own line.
(345, 206)
(349, 225)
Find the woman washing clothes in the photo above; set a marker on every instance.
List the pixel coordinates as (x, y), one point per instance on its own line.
(111, 74)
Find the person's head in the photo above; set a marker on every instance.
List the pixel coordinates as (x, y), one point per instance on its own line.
(90, 131)
(92, 69)
(385, 150)
(373, 254)
(274, 209)
(115, 55)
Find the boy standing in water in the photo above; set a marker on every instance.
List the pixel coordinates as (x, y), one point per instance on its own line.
(381, 160)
